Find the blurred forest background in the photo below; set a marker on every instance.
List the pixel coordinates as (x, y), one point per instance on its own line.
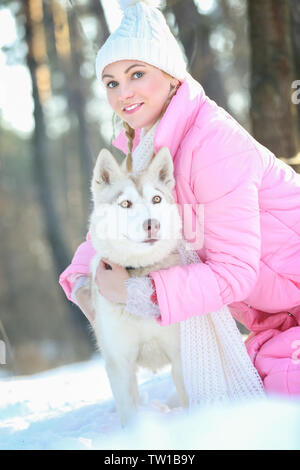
(54, 119)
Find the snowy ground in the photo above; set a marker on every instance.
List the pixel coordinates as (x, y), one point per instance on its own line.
(72, 408)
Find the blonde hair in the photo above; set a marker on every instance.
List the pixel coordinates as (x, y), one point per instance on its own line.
(130, 133)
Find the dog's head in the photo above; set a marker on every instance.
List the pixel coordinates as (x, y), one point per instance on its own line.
(135, 221)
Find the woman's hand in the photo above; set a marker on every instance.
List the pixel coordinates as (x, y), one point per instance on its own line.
(84, 303)
(110, 279)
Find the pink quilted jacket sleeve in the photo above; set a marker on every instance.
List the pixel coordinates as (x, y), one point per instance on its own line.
(228, 188)
(80, 265)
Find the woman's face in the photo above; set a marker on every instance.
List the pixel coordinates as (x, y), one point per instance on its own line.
(132, 82)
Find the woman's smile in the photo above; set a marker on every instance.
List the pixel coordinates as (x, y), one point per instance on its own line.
(132, 108)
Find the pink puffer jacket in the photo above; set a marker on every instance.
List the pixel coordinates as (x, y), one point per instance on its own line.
(245, 225)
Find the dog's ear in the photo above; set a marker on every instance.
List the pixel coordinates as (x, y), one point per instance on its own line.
(161, 167)
(106, 170)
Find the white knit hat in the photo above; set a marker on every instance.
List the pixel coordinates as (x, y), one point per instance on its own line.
(143, 35)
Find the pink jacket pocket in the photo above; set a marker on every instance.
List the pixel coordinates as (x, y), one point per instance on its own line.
(276, 356)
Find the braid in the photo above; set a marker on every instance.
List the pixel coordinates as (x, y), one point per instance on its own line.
(130, 133)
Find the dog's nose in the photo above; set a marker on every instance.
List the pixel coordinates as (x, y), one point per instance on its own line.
(151, 226)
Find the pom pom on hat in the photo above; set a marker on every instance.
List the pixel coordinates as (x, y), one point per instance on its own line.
(145, 36)
(124, 4)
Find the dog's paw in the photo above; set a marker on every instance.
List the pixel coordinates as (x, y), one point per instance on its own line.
(159, 406)
(173, 401)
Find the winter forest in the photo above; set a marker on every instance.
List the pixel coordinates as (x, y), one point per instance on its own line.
(54, 120)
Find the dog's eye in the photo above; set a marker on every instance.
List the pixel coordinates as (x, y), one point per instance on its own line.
(125, 204)
(156, 199)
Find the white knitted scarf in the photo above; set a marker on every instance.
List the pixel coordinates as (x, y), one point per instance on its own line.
(216, 365)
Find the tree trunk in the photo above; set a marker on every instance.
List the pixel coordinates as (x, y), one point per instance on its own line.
(295, 25)
(194, 30)
(77, 95)
(96, 9)
(273, 114)
(40, 158)
(53, 226)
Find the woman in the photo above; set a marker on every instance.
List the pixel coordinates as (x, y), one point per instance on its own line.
(251, 201)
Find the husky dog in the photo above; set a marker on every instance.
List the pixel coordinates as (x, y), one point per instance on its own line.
(135, 223)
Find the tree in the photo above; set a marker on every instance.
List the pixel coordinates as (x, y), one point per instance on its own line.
(273, 114)
(66, 54)
(36, 62)
(96, 9)
(40, 83)
(194, 32)
(295, 24)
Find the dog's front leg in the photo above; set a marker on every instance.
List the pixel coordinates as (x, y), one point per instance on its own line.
(123, 383)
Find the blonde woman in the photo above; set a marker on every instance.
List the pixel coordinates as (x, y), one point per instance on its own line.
(251, 246)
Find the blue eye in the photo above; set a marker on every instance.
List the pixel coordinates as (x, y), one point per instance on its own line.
(142, 73)
(116, 83)
(110, 83)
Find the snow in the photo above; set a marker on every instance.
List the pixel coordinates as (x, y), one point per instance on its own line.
(71, 407)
